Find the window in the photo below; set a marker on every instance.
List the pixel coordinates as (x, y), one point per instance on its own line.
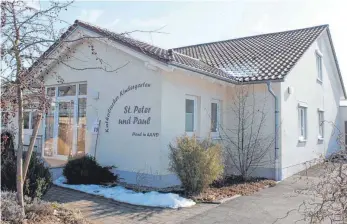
(5, 119)
(67, 90)
(215, 116)
(302, 123)
(82, 89)
(319, 66)
(51, 91)
(29, 118)
(190, 124)
(26, 120)
(321, 124)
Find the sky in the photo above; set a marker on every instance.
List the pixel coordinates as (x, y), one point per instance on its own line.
(186, 23)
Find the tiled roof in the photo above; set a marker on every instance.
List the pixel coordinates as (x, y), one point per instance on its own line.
(167, 56)
(256, 58)
(242, 60)
(145, 48)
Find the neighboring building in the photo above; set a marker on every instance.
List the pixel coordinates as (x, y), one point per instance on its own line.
(128, 118)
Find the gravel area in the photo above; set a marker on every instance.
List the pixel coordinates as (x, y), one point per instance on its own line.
(231, 186)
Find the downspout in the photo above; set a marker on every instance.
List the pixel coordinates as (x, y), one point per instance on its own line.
(277, 111)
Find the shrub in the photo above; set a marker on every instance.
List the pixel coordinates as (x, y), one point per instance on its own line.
(85, 170)
(196, 163)
(8, 171)
(38, 179)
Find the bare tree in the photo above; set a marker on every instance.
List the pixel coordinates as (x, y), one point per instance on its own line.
(327, 191)
(328, 201)
(246, 139)
(27, 33)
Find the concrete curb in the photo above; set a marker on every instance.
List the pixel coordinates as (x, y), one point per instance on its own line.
(223, 200)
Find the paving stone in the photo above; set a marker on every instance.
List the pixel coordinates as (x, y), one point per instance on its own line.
(103, 210)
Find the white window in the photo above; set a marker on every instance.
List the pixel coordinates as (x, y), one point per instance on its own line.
(302, 123)
(191, 114)
(319, 66)
(5, 119)
(29, 118)
(321, 124)
(215, 117)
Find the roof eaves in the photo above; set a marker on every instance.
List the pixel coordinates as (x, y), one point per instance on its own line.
(337, 63)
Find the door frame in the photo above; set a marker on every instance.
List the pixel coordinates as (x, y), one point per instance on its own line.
(56, 126)
(55, 100)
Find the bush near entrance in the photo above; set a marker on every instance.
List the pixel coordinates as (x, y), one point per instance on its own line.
(196, 163)
(86, 170)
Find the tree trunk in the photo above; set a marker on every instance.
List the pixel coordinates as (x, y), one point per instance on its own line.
(31, 145)
(20, 195)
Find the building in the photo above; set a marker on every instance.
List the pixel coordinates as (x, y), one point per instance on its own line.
(127, 116)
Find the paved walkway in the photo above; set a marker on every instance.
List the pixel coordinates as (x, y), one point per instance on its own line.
(103, 210)
(263, 207)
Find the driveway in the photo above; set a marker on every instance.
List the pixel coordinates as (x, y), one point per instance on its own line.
(266, 206)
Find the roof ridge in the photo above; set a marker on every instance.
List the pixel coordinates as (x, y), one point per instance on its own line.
(78, 21)
(252, 36)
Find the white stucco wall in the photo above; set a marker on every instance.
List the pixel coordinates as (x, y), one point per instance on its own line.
(326, 95)
(118, 146)
(176, 85)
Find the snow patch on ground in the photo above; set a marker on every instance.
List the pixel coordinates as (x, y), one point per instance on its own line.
(121, 194)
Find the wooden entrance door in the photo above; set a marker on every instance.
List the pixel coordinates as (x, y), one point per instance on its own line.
(65, 128)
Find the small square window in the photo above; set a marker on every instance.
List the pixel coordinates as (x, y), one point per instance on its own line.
(67, 90)
(302, 123)
(51, 91)
(82, 89)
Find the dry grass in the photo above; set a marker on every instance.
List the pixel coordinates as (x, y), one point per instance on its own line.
(37, 211)
(53, 213)
(232, 186)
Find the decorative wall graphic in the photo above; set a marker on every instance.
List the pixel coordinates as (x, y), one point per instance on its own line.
(135, 119)
(137, 114)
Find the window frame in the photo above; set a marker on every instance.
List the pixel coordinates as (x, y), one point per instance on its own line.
(320, 114)
(55, 100)
(31, 114)
(195, 114)
(215, 134)
(319, 66)
(4, 126)
(303, 129)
